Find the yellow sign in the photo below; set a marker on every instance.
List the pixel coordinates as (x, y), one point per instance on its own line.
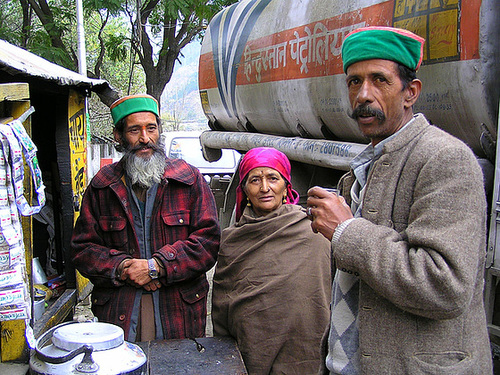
(78, 150)
(443, 35)
(204, 102)
(436, 21)
(78, 147)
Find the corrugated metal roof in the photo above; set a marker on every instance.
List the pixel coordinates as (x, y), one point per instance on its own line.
(15, 60)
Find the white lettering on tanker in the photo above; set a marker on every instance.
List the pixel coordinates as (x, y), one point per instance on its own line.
(316, 46)
(272, 57)
(434, 101)
(307, 47)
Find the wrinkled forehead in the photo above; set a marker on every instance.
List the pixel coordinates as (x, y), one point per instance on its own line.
(263, 171)
(371, 67)
(141, 119)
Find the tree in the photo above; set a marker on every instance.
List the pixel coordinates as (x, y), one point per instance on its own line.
(109, 57)
(131, 43)
(170, 123)
(10, 27)
(161, 28)
(47, 36)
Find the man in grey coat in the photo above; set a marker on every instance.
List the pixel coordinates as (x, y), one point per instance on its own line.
(408, 232)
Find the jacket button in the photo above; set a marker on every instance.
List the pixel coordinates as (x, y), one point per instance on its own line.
(170, 255)
(122, 317)
(181, 221)
(197, 295)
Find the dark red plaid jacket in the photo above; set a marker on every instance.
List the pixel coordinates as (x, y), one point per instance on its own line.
(185, 235)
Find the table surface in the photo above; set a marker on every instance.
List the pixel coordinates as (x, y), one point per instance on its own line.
(201, 356)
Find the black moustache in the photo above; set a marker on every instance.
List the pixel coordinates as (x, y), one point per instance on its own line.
(366, 110)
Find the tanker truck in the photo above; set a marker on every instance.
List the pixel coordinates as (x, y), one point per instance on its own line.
(270, 74)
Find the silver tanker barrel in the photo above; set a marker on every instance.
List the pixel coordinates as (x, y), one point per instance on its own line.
(274, 66)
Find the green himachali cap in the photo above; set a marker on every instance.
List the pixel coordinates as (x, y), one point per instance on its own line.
(380, 42)
(132, 104)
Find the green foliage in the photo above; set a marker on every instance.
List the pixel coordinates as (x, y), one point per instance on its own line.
(114, 7)
(116, 67)
(116, 47)
(10, 22)
(175, 7)
(64, 16)
(113, 51)
(209, 9)
(39, 44)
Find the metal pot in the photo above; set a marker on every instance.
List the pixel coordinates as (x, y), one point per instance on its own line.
(86, 348)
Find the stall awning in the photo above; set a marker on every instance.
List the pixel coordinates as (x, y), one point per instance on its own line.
(15, 60)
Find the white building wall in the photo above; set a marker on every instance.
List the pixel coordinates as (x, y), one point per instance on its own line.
(101, 154)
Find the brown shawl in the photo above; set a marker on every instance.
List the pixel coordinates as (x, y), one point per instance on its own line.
(271, 292)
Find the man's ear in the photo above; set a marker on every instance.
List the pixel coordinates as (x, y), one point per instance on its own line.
(117, 135)
(413, 92)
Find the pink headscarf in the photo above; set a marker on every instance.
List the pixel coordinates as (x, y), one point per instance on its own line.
(264, 157)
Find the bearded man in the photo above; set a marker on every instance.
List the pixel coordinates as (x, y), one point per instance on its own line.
(147, 233)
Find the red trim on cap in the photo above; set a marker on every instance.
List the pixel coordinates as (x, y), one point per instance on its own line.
(121, 100)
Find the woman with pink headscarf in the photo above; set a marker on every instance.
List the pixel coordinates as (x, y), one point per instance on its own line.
(272, 281)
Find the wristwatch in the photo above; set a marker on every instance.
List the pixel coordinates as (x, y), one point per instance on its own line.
(153, 273)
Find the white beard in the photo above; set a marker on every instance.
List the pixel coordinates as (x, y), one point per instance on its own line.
(145, 171)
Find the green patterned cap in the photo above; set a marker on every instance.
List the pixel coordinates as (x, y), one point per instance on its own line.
(132, 104)
(380, 42)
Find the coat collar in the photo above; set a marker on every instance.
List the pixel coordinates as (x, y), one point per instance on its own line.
(176, 170)
(408, 133)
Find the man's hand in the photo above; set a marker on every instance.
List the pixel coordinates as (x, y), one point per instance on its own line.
(326, 211)
(136, 272)
(152, 285)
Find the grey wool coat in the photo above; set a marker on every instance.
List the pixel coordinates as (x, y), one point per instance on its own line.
(419, 249)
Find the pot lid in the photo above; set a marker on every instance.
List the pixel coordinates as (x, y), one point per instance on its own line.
(100, 336)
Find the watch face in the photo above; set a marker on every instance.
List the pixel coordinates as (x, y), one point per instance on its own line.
(153, 273)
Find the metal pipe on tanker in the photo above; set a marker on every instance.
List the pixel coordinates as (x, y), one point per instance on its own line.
(323, 153)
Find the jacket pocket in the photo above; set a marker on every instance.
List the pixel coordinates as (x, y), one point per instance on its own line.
(110, 306)
(194, 298)
(115, 231)
(176, 218)
(176, 225)
(101, 305)
(445, 363)
(100, 299)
